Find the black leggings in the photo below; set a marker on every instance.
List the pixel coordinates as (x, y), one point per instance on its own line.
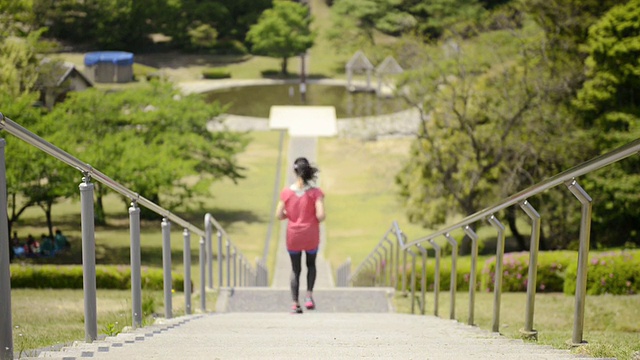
(296, 265)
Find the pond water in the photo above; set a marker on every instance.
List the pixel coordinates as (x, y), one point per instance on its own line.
(257, 100)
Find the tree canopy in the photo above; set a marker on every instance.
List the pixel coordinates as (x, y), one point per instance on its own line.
(283, 31)
(149, 139)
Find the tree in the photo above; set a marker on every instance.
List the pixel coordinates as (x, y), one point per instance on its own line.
(609, 105)
(283, 31)
(565, 24)
(355, 22)
(437, 16)
(483, 133)
(149, 139)
(203, 37)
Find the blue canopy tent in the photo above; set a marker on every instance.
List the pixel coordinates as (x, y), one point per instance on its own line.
(109, 66)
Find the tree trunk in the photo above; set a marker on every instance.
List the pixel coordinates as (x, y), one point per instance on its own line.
(511, 219)
(148, 214)
(285, 60)
(98, 208)
(47, 211)
(543, 241)
(16, 214)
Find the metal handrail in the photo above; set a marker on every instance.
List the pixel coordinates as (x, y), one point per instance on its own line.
(88, 243)
(579, 170)
(27, 136)
(568, 178)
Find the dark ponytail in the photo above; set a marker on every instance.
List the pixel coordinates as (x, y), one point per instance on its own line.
(304, 170)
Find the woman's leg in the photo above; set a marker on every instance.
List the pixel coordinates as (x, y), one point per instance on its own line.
(296, 267)
(311, 270)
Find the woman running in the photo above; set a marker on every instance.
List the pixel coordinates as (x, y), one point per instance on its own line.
(302, 205)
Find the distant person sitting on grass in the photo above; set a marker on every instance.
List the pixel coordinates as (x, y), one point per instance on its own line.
(47, 247)
(61, 242)
(32, 247)
(17, 249)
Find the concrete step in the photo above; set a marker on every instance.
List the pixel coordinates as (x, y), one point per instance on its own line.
(317, 335)
(330, 300)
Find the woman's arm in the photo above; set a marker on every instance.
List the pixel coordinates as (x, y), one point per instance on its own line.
(320, 215)
(280, 213)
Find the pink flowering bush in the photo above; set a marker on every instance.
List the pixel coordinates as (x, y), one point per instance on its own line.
(552, 266)
(612, 272)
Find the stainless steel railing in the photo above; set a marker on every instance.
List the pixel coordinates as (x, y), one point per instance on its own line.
(567, 178)
(244, 274)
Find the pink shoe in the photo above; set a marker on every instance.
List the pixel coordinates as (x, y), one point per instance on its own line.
(309, 304)
(296, 309)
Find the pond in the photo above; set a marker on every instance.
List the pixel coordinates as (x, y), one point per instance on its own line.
(257, 100)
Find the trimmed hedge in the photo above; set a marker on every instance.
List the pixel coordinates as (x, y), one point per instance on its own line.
(70, 277)
(216, 73)
(612, 272)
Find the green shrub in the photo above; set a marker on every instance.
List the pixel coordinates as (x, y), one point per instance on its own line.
(550, 276)
(216, 73)
(143, 71)
(70, 277)
(277, 74)
(612, 272)
(463, 272)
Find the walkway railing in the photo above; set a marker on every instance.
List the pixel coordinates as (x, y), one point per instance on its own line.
(244, 274)
(567, 178)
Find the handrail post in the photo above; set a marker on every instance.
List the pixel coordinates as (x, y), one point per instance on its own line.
(88, 259)
(240, 265)
(472, 276)
(376, 272)
(220, 259)
(497, 287)
(6, 325)
(423, 281)
(404, 272)
(436, 277)
(385, 266)
(372, 265)
(583, 255)
(258, 276)
(528, 330)
(396, 266)
(228, 261)
(390, 263)
(136, 276)
(166, 267)
(382, 265)
(235, 265)
(209, 250)
(203, 290)
(186, 257)
(413, 280)
(453, 284)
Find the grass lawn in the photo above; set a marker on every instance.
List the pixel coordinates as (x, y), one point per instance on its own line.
(611, 324)
(43, 318)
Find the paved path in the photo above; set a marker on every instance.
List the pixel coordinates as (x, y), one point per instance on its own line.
(309, 336)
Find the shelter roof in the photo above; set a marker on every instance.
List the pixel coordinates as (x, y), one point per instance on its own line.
(389, 66)
(359, 62)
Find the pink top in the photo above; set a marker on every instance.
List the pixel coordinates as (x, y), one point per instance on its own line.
(303, 228)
